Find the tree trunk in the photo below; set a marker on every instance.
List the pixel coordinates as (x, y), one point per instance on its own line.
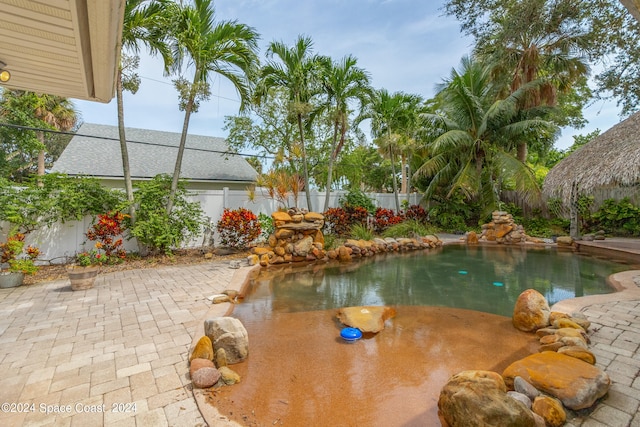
(393, 172)
(522, 152)
(183, 142)
(40, 158)
(403, 175)
(128, 185)
(304, 164)
(574, 229)
(332, 159)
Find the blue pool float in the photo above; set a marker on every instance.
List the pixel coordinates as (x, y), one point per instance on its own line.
(462, 272)
(351, 334)
(498, 284)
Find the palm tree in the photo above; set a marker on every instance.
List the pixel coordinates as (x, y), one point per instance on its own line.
(344, 83)
(208, 47)
(144, 23)
(538, 39)
(297, 71)
(473, 152)
(390, 115)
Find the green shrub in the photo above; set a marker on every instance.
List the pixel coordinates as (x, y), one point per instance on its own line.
(617, 217)
(361, 232)
(158, 231)
(331, 241)
(357, 198)
(409, 228)
(266, 225)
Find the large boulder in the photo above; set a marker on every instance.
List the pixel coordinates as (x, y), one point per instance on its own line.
(577, 384)
(367, 319)
(228, 333)
(479, 398)
(531, 311)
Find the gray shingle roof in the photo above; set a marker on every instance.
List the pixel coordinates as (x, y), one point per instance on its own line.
(151, 152)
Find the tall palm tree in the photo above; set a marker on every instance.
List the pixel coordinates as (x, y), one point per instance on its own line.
(538, 39)
(296, 70)
(145, 23)
(208, 47)
(473, 152)
(344, 84)
(390, 115)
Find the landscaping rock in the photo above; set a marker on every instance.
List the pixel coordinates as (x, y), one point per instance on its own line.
(221, 358)
(579, 353)
(228, 376)
(531, 311)
(479, 398)
(205, 377)
(228, 333)
(198, 364)
(564, 241)
(202, 350)
(551, 410)
(521, 386)
(367, 319)
(576, 383)
(520, 397)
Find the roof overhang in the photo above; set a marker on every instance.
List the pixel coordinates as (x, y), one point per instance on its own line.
(632, 6)
(69, 48)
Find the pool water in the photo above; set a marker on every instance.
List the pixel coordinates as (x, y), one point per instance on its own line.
(482, 278)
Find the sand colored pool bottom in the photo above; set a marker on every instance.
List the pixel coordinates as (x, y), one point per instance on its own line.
(300, 372)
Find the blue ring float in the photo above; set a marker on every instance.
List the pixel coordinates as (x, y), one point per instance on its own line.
(498, 284)
(351, 334)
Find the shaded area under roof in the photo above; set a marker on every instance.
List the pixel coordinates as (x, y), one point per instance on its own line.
(151, 153)
(610, 160)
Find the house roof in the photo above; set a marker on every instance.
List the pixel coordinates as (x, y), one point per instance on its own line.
(69, 48)
(95, 151)
(611, 159)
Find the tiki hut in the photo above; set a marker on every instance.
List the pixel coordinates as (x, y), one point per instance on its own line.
(609, 165)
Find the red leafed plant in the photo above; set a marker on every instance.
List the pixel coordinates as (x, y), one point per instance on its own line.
(238, 228)
(107, 233)
(385, 218)
(340, 220)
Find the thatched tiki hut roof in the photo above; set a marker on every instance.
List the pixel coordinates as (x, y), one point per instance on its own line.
(610, 160)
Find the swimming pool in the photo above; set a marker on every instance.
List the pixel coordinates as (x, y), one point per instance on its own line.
(482, 278)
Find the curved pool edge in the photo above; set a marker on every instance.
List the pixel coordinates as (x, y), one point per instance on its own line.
(624, 284)
(238, 283)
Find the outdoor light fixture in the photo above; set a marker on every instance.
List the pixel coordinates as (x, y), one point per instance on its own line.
(5, 75)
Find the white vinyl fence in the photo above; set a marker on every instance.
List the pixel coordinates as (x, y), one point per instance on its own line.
(60, 242)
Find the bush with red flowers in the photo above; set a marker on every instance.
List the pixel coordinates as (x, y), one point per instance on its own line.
(340, 220)
(416, 212)
(385, 218)
(238, 228)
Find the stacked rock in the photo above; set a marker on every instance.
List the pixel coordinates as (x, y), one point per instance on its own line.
(208, 368)
(297, 237)
(503, 229)
(562, 375)
(366, 248)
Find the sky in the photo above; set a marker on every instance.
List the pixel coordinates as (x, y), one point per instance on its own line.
(405, 45)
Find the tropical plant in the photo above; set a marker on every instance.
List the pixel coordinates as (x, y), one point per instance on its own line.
(385, 218)
(473, 154)
(357, 198)
(617, 217)
(226, 48)
(145, 22)
(296, 70)
(344, 83)
(89, 258)
(238, 228)
(157, 230)
(19, 258)
(409, 228)
(361, 232)
(108, 233)
(266, 225)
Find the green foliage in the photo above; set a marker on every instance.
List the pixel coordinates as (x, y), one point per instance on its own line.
(159, 231)
(617, 217)
(361, 232)
(266, 225)
(238, 228)
(332, 241)
(454, 214)
(539, 226)
(60, 198)
(19, 258)
(409, 228)
(357, 198)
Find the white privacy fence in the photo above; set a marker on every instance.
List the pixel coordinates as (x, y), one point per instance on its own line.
(60, 242)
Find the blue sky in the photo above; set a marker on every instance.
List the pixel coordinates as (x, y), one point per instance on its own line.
(405, 45)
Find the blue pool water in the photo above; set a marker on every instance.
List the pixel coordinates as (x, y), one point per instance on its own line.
(482, 278)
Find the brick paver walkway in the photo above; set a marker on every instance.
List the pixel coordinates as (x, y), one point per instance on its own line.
(120, 348)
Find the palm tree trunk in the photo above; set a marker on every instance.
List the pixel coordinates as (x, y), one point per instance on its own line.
(304, 164)
(40, 158)
(183, 142)
(128, 185)
(393, 173)
(522, 152)
(332, 159)
(403, 174)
